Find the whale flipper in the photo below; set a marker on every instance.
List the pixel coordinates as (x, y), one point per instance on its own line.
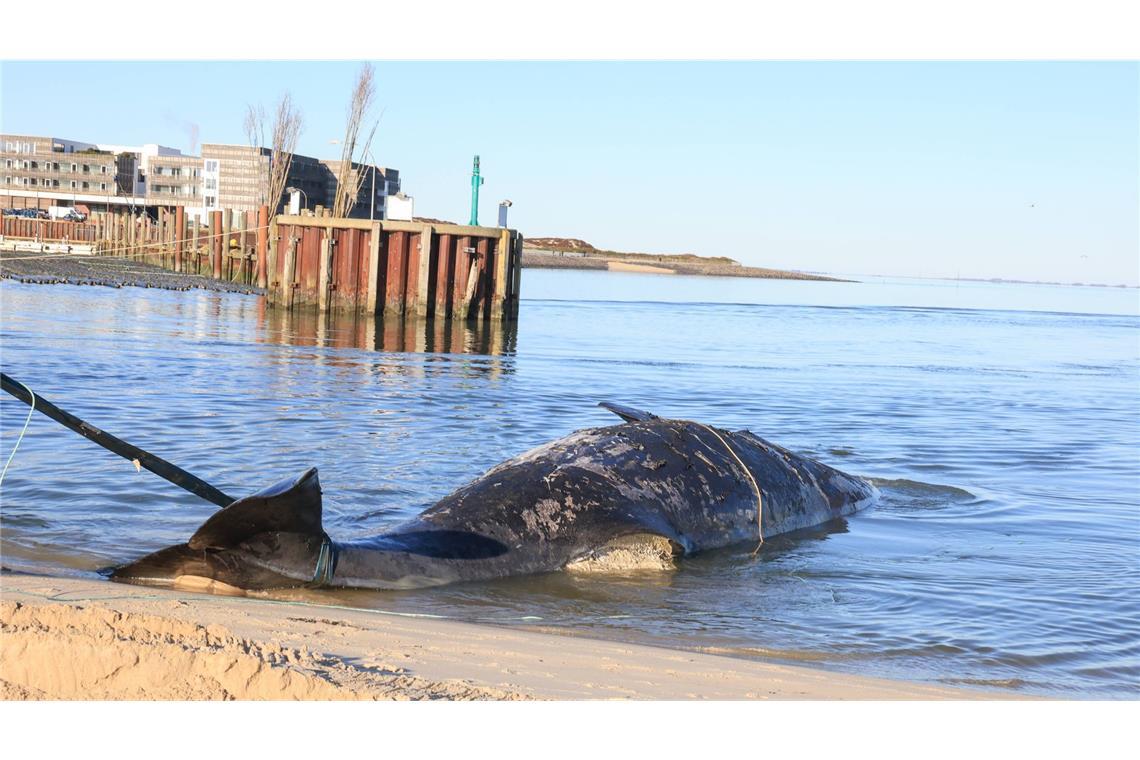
(629, 414)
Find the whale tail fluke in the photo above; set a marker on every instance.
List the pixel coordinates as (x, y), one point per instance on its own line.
(273, 538)
(291, 506)
(629, 414)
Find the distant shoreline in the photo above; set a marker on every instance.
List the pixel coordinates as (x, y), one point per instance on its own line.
(534, 258)
(1004, 281)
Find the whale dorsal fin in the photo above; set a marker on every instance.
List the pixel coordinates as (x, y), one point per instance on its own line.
(628, 414)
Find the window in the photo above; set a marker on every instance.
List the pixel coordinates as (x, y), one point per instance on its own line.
(7, 163)
(7, 180)
(211, 166)
(73, 168)
(211, 184)
(73, 184)
(25, 165)
(211, 200)
(25, 180)
(86, 186)
(103, 169)
(35, 165)
(55, 183)
(102, 185)
(32, 181)
(87, 168)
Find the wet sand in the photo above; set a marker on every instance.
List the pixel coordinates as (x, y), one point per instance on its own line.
(67, 638)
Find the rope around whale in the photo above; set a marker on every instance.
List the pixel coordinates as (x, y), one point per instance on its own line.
(30, 413)
(755, 488)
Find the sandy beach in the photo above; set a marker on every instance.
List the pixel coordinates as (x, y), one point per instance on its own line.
(625, 266)
(68, 638)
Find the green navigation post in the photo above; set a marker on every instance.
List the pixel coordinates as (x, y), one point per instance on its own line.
(476, 180)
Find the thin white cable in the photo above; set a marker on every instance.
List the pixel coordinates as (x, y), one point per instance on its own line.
(30, 413)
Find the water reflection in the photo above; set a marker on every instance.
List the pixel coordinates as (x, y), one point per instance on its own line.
(308, 327)
(1003, 550)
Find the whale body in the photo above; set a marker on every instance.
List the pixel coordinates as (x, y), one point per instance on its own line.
(640, 493)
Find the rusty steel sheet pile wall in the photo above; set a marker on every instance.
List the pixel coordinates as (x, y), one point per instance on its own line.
(394, 268)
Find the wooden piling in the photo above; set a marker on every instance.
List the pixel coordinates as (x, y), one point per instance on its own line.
(445, 258)
(396, 276)
(464, 263)
(179, 236)
(192, 239)
(477, 302)
(287, 280)
(374, 274)
(325, 272)
(263, 246)
(160, 259)
(502, 255)
(423, 275)
(217, 234)
(271, 276)
(227, 232)
(516, 277)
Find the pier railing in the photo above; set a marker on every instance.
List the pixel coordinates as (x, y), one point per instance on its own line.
(329, 264)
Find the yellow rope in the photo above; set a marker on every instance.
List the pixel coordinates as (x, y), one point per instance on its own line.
(755, 488)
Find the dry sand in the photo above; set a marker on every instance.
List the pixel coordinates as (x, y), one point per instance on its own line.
(67, 638)
(625, 266)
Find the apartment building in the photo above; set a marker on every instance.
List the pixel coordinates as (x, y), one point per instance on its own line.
(173, 181)
(46, 168)
(47, 171)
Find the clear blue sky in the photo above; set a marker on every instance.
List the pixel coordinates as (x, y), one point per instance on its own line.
(1021, 170)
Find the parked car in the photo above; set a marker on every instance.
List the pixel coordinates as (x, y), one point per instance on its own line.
(27, 213)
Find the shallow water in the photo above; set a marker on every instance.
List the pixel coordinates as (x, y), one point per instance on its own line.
(1000, 422)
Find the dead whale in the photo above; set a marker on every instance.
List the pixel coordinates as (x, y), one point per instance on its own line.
(644, 491)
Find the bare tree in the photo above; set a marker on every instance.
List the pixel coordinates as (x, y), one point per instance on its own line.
(287, 125)
(348, 179)
(254, 124)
